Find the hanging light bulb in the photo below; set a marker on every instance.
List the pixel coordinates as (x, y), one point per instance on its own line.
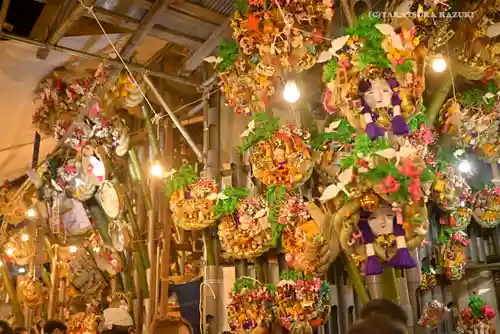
(157, 169)
(10, 251)
(464, 166)
(21, 270)
(31, 213)
(291, 92)
(25, 237)
(73, 249)
(439, 64)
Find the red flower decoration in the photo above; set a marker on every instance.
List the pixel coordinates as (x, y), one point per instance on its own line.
(389, 185)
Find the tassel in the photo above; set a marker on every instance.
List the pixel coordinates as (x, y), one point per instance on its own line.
(402, 259)
(399, 126)
(373, 130)
(372, 265)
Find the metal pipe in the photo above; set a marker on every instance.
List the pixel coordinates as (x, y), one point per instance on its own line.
(85, 55)
(176, 121)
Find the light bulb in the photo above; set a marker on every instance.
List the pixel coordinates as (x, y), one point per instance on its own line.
(291, 92)
(73, 249)
(439, 64)
(21, 270)
(157, 170)
(464, 166)
(31, 212)
(25, 237)
(97, 249)
(1, 263)
(10, 251)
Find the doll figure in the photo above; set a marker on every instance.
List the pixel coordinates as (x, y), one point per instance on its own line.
(382, 106)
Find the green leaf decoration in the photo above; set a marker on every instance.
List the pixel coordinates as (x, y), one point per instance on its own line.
(416, 121)
(228, 51)
(372, 52)
(330, 70)
(364, 146)
(343, 134)
(476, 303)
(265, 127)
(406, 67)
(181, 179)
(294, 275)
(228, 206)
(247, 283)
(275, 198)
(241, 6)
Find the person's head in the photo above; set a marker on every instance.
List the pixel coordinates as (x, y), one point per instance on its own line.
(377, 324)
(386, 308)
(20, 330)
(170, 326)
(117, 320)
(5, 328)
(55, 327)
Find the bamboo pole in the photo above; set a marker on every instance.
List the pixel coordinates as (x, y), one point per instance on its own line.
(9, 287)
(3, 12)
(174, 118)
(166, 218)
(53, 285)
(438, 99)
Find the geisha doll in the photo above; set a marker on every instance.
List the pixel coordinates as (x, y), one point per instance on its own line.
(382, 104)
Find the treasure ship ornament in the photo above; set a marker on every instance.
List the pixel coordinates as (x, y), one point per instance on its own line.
(487, 206)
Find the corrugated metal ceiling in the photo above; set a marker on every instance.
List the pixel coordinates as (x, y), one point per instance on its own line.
(224, 7)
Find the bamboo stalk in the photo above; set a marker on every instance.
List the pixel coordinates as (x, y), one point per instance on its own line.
(389, 284)
(138, 173)
(356, 279)
(140, 245)
(438, 99)
(53, 285)
(100, 220)
(9, 287)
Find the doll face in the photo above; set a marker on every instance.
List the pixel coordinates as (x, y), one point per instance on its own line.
(381, 221)
(378, 95)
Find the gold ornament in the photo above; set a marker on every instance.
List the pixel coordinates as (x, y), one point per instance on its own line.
(369, 202)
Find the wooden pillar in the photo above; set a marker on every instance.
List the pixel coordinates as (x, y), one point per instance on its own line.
(211, 153)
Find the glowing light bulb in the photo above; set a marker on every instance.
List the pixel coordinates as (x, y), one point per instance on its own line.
(21, 270)
(156, 169)
(439, 64)
(25, 237)
(10, 251)
(464, 166)
(31, 213)
(97, 249)
(73, 249)
(1, 263)
(291, 92)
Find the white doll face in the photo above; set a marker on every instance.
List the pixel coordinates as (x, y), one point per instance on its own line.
(379, 95)
(381, 221)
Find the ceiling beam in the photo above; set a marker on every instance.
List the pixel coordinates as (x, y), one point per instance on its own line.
(207, 48)
(132, 24)
(146, 25)
(190, 9)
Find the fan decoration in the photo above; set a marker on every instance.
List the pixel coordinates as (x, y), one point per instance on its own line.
(474, 119)
(270, 39)
(191, 198)
(252, 308)
(450, 190)
(477, 318)
(279, 156)
(83, 323)
(302, 302)
(374, 77)
(244, 229)
(453, 253)
(301, 235)
(330, 146)
(434, 313)
(19, 250)
(61, 95)
(31, 292)
(487, 206)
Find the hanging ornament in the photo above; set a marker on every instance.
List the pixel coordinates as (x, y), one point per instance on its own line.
(434, 313)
